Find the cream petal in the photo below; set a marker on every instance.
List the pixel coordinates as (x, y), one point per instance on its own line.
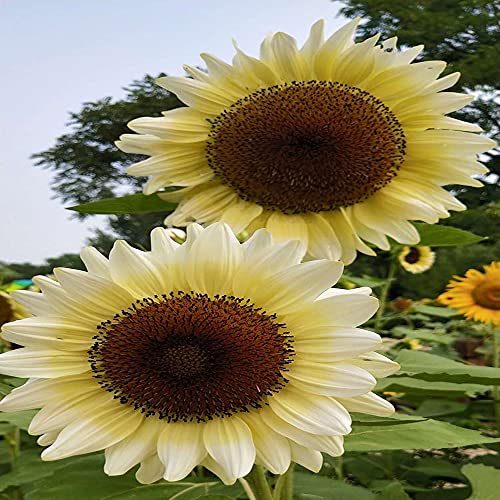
(329, 52)
(37, 392)
(311, 413)
(135, 448)
(47, 332)
(331, 344)
(330, 379)
(213, 260)
(141, 144)
(95, 262)
(368, 403)
(332, 292)
(35, 302)
(218, 470)
(377, 364)
(42, 363)
(47, 439)
(150, 471)
(239, 215)
(313, 42)
(442, 84)
(229, 443)
(252, 67)
(344, 234)
(131, 269)
(201, 96)
(273, 450)
(333, 445)
(288, 60)
(94, 432)
(181, 125)
(58, 413)
(322, 240)
(285, 227)
(181, 448)
(310, 459)
(340, 310)
(443, 103)
(290, 288)
(103, 296)
(162, 245)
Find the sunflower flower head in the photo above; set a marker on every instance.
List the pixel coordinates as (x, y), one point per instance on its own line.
(476, 295)
(211, 352)
(417, 259)
(336, 144)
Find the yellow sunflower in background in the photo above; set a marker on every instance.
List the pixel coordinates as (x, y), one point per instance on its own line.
(334, 144)
(211, 352)
(416, 260)
(477, 295)
(9, 309)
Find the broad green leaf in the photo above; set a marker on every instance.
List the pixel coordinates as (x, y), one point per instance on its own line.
(484, 480)
(309, 486)
(431, 388)
(434, 467)
(424, 435)
(393, 491)
(21, 419)
(130, 204)
(431, 367)
(433, 235)
(424, 334)
(215, 497)
(365, 280)
(394, 419)
(440, 407)
(441, 312)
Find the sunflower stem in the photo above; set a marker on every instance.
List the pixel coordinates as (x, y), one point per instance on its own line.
(258, 484)
(496, 364)
(385, 292)
(283, 489)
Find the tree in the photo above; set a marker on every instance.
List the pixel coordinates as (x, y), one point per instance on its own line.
(88, 166)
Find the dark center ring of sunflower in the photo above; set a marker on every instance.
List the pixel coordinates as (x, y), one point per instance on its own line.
(306, 146)
(413, 255)
(191, 357)
(487, 295)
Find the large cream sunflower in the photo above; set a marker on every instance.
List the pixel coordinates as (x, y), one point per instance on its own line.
(476, 295)
(211, 352)
(334, 144)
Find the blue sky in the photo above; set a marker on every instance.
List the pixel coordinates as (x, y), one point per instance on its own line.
(57, 54)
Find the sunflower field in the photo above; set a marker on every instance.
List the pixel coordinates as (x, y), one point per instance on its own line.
(299, 296)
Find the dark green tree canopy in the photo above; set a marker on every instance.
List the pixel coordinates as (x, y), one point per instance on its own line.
(86, 163)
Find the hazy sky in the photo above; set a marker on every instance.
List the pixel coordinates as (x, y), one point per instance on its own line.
(57, 54)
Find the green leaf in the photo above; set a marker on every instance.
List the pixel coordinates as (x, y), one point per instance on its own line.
(433, 235)
(309, 486)
(484, 481)
(434, 467)
(130, 204)
(440, 407)
(393, 491)
(365, 280)
(21, 419)
(429, 434)
(441, 312)
(394, 419)
(436, 368)
(431, 388)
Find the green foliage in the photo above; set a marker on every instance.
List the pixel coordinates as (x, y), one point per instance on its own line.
(444, 236)
(130, 204)
(484, 481)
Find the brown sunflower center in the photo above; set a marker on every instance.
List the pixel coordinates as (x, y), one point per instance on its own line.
(487, 295)
(6, 309)
(412, 256)
(191, 357)
(306, 146)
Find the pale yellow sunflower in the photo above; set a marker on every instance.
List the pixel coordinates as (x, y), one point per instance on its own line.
(477, 295)
(334, 144)
(417, 259)
(211, 352)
